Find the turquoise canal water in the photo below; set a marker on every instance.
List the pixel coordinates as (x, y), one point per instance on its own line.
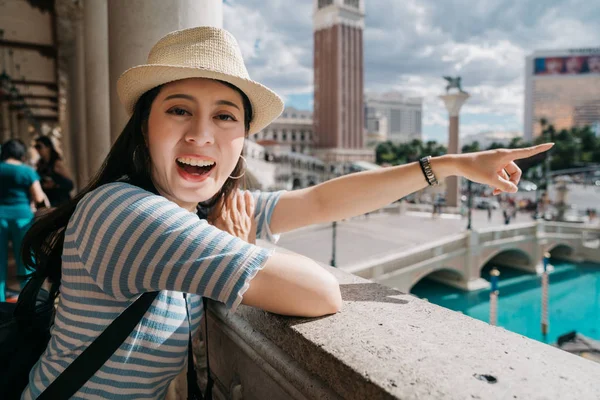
(574, 300)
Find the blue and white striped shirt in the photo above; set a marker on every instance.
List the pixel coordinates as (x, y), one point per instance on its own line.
(120, 242)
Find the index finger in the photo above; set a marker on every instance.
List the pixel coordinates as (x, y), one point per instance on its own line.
(517, 154)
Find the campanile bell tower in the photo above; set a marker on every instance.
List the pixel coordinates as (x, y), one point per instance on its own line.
(338, 116)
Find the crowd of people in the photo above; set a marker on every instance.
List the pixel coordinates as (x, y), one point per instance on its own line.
(33, 179)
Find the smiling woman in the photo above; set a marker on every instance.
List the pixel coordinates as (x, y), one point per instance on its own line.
(164, 214)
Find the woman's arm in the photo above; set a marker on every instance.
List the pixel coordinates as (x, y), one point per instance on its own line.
(291, 284)
(288, 284)
(130, 241)
(37, 194)
(363, 192)
(61, 169)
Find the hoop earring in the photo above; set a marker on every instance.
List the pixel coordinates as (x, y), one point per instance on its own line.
(243, 173)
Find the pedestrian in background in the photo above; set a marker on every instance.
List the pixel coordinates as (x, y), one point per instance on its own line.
(55, 177)
(20, 187)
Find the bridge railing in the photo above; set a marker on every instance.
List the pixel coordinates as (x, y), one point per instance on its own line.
(377, 266)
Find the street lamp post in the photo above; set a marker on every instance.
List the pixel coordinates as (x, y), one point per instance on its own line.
(334, 229)
(469, 204)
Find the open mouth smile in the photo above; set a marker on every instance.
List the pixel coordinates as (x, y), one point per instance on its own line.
(194, 169)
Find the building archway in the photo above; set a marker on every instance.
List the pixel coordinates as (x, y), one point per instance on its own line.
(296, 184)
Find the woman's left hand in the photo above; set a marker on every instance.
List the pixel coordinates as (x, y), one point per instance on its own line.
(497, 168)
(235, 215)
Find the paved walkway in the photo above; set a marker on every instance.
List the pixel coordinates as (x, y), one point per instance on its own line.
(362, 238)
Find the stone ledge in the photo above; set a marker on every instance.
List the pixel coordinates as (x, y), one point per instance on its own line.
(387, 345)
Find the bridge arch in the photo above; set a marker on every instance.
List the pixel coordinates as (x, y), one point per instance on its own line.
(512, 257)
(446, 275)
(560, 250)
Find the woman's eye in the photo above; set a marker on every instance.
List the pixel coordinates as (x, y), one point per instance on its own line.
(178, 111)
(225, 117)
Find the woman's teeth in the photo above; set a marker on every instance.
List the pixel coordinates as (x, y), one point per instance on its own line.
(195, 162)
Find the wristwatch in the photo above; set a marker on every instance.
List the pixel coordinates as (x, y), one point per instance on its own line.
(427, 171)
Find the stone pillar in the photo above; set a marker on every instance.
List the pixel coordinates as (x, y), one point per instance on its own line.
(5, 134)
(64, 118)
(453, 103)
(134, 26)
(77, 107)
(24, 130)
(95, 25)
(14, 125)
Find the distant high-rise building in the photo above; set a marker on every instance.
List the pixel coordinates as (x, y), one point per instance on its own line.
(562, 86)
(404, 116)
(338, 80)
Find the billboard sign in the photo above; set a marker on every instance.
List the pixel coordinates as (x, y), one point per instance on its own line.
(572, 65)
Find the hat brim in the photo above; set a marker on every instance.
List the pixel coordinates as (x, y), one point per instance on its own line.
(266, 104)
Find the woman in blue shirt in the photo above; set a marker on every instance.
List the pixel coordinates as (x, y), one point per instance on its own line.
(20, 186)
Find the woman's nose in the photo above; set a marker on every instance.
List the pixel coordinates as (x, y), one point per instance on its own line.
(201, 133)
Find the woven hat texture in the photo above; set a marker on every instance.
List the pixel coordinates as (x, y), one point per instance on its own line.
(203, 52)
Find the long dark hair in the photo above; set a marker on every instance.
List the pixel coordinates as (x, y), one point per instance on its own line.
(54, 152)
(129, 160)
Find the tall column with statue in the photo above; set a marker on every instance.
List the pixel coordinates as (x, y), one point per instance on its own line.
(453, 100)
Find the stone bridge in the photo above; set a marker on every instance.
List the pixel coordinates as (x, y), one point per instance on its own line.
(457, 260)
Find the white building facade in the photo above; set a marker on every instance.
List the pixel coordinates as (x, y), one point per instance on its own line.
(292, 131)
(393, 116)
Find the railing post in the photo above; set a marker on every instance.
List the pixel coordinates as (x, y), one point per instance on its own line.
(333, 240)
(545, 284)
(494, 275)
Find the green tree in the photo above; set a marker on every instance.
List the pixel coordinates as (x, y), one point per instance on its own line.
(496, 145)
(385, 153)
(470, 148)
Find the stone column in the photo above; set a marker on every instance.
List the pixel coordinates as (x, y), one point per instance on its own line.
(24, 130)
(95, 25)
(5, 134)
(77, 107)
(14, 125)
(134, 26)
(453, 103)
(64, 117)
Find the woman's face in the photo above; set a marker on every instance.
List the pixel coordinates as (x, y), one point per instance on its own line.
(195, 137)
(43, 150)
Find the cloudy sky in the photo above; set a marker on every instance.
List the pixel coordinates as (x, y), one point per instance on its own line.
(410, 44)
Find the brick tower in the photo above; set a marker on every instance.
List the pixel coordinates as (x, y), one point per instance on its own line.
(338, 116)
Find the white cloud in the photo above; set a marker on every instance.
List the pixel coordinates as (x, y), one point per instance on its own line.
(410, 45)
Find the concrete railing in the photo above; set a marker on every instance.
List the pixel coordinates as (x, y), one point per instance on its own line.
(385, 345)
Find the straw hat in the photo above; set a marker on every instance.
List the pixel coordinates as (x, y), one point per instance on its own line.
(203, 52)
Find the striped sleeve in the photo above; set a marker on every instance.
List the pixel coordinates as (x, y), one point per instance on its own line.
(132, 241)
(265, 203)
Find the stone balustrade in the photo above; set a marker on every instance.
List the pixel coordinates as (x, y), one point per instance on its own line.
(384, 344)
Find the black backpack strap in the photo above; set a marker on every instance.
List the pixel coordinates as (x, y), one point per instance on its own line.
(209, 379)
(101, 349)
(194, 392)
